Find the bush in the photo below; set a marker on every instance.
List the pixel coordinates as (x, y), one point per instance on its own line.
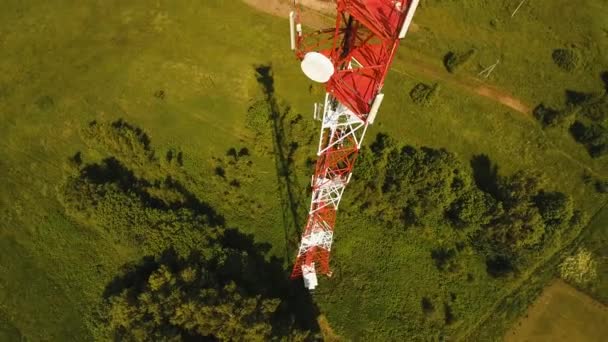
(549, 117)
(446, 259)
(555, 207)
(453, 61)
(566, 59)
(424, 94)
(121, 139)
(596, 108)
(579, 268)
(258, 118)
(602, 186)
(594, 136)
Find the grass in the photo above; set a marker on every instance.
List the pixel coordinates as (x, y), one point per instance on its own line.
(523, 43)
(106, 61)
(107, 68)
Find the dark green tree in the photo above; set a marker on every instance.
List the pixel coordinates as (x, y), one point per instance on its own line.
(556, 209)
(189, 299)
(473, 209)
(594, 136)
(521, 225)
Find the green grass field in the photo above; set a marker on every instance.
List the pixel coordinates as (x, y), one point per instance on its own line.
(65, 63)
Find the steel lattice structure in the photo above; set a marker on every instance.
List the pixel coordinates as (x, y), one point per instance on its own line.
(361, 48)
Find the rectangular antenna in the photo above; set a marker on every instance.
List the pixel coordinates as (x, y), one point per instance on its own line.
(292, 29)
(408, 18)
(375, 106)
(315, 113)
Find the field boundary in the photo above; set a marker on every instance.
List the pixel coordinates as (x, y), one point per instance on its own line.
(528, 326)
(521, 282)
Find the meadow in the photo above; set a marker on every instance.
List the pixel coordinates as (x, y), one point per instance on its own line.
(188, 74)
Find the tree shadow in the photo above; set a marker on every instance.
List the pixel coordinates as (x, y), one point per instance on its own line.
(485, 174)
(111, 171)
(499, 266)
(192, 202)
(284, 150)
(574, 97)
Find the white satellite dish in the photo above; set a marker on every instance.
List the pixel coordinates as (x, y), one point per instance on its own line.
(317, 67)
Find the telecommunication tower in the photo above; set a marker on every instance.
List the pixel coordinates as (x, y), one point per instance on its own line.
(352, 59)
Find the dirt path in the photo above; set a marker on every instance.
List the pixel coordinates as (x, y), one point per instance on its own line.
(467, 83)
(320, 15)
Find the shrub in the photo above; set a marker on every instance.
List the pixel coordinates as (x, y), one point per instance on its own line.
(549, 117)
(244, 152)
(596, 108)
(453, 60)
(424, 94)
(579, 268)
(427, 306)
(566, 59)
(232, 153)
(555, 207)
(446, 259)
(594, 136)
(258, 118)
(602, 186)
(128, 143)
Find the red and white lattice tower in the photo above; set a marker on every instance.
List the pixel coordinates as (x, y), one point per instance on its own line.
(352, 59)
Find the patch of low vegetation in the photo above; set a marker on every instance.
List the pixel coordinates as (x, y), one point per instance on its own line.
(425, 94)
(567, 59)
(456, 60)
(258, 121)
(560, 312)
(579, 268)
